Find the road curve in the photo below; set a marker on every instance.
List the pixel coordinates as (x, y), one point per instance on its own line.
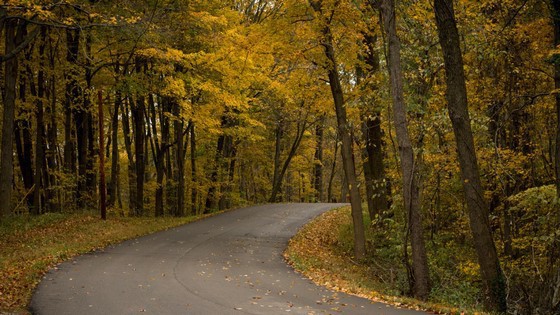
(227, 264)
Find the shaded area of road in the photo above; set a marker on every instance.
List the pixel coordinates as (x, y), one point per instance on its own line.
(227, 264)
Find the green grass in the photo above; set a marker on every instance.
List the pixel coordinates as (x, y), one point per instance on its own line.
(31, 245)
(322, 251)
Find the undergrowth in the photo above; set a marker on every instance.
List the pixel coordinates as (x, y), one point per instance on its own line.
(322, 251)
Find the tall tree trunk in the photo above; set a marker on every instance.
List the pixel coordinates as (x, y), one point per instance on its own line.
(10, 79)
(115, 169)
(211, 196)
(456, 94)
(278, 134)
(330, 197)
(376, 186)
(52, 135)
(40, 174)
(72, 95)
(102, 187)
(179, 162)
(421, 282)
(318, 163)
(90, 176)
(23, 138)
(194, 188)
(160, 147)
(374, 168)
(345, 132)
(139, 137)
(128, 148)
(301, 127)
(556, 23)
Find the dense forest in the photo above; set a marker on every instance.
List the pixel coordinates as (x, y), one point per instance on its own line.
(442, 115)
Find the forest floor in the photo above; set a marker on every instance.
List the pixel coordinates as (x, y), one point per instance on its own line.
(322, 252)
(30, 246)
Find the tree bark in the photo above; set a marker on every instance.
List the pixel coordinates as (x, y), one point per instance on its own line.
(194, 188)
(456, 94)
(556, 58)
(345, 132)
(318, 163)
(10, 79)
(277, 185)
(72, 95)
(115, 169)
(23, 138)
(179, 160)
(421, 278)
(40, 173)
(102, 187)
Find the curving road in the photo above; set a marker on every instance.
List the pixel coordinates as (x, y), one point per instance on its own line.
(227, 264)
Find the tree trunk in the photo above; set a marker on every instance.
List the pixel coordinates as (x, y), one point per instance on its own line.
(301, 127)
(139, 137)
(102, 187)
(115, 169)
(420, 285)
(556, 23)
(10, 79)
(318, 163)
(456, 94)
(345, 133)
(53, 162)
(72, 95)
(194, 188)
(40, 174)
(131, 163)
(179, 162)
(278, 134)
(23, 138)
(330, 197)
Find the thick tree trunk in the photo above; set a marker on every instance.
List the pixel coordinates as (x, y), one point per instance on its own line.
(10, 79)
(23, 138)
(345, 133)
(421, 283)
(376, 186)
(456, 94)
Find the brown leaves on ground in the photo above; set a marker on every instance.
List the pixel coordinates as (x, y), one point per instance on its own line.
(316, 251)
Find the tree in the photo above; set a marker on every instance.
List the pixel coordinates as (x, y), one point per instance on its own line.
(456, 94)
(420, 280)
(13, 35)
(344, 128)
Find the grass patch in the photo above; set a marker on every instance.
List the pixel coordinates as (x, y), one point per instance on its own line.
(30, 246)
(322, 251)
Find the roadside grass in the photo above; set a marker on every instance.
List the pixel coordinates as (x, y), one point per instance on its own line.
(31, 245)
(322, 251)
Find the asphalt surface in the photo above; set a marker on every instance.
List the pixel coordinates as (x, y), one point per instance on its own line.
(227, 264)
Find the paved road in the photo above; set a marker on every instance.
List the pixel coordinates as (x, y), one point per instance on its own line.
(228, 264)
